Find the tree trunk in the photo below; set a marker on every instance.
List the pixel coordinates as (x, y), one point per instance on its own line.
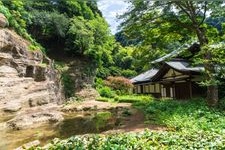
(212, 90)
(212, 95)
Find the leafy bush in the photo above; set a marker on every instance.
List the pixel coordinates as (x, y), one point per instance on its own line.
(48, 25)
(115, 71)
(106, 92)
(128, 73)
(144, 140)
(99, 83)
(122, 84)
(68, 85)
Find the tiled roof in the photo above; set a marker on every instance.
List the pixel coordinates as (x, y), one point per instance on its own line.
(184, 66)
(180, 65)
(144, 76)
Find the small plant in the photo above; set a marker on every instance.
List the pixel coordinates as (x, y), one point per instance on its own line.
(116, 99)
(106, 92)
(121, 84)
(68, 85)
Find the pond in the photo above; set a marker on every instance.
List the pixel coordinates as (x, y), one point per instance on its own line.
(73, 124)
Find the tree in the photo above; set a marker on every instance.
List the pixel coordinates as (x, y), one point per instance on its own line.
(179, 20)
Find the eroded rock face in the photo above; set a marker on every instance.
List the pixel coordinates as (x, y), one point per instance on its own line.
(27, 78)
(3, 21)
(12, 107)
(34, 119)
(87, 93)
(82, 72)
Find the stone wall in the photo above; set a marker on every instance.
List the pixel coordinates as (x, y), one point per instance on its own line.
(29, 83)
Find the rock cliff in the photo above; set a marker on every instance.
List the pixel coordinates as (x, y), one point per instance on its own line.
(28, 82)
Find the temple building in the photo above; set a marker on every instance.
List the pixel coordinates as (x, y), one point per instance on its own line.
(175, 78)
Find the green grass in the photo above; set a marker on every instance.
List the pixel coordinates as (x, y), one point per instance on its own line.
(191, 125)
(104, 99)
(185, 116)
(127, 98)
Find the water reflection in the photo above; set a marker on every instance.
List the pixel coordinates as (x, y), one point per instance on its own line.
(73, 124)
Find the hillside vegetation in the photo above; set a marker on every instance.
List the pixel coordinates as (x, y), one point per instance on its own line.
(69, 29)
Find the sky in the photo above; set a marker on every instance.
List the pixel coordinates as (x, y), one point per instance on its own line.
(110, 9)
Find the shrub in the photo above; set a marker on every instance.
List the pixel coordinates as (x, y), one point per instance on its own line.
(106, 92)
(122, 84)
(68, 85)
(143, 140)
(99, 83)
(129, 73)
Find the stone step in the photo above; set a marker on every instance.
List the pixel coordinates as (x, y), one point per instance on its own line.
(37, 98)
(9, 82)
(6, 71)
(37, 87)
(5, 55)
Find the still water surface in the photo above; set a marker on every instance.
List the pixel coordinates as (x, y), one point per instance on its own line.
(73, 124)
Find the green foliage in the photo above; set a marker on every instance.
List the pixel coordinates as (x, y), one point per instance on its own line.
(127, 99)
(128, 73)
(72, 26)
(144, 140)
(191, 117)
(18, 19)
(90, 38)
(134, 98)
(46, 25)
(113, 86)
(68, 85)
(162, 26)
(103, 72)
(190, 125)
(77, 8)
(121, 84)
(80, 37)
(106, 92)
(121, 62)
(104, 99)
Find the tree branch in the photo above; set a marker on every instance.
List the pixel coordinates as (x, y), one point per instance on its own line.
(184, 25)
(204, 15)
(182, 8)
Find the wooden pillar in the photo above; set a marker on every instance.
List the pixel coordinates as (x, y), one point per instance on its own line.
(142, 90)
(190, 87)
(174, 91)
